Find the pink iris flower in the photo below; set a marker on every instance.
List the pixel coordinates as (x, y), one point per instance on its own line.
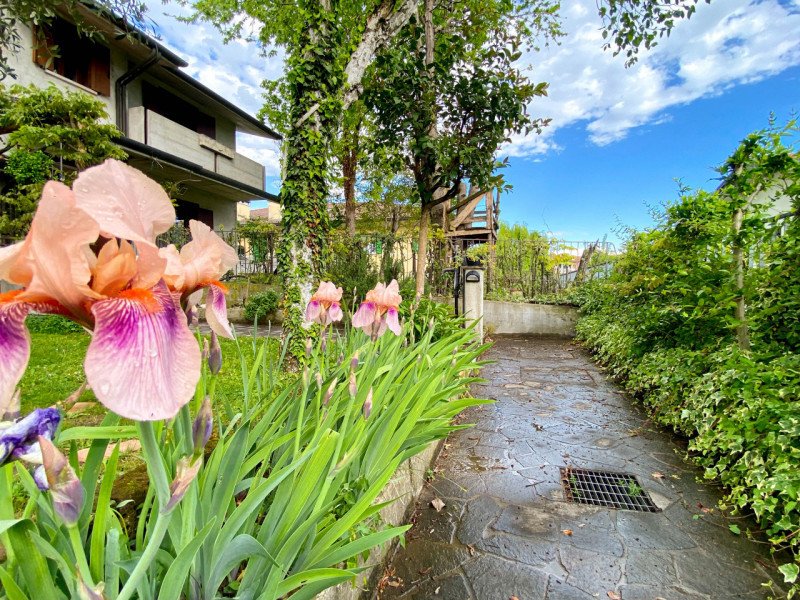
(379, 310)
(324, 307)
(91, 255)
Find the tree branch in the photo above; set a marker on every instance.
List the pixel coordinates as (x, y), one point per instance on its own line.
(382, 26)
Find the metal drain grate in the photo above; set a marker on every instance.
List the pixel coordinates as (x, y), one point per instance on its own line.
(603, 488)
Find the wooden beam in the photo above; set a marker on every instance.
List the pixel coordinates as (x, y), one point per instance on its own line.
(467, 212)
(466, 232)
(466, 201)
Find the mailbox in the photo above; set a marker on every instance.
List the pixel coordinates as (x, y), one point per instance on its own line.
(472, 277)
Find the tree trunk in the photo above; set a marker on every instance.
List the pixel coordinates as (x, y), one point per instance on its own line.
(426, 193)
(349, 161)
(304, 192)
(422, 251)
(382, 26)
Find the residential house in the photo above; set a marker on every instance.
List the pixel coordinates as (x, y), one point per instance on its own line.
(174, 129)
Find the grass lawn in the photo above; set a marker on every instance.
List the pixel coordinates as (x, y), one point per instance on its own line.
(55, 371)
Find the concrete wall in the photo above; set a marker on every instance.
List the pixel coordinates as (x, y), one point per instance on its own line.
(519, 317)
(150, 128)
(224, 210)
(405, 486)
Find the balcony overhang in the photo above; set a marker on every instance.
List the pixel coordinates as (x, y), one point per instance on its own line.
(163, 166)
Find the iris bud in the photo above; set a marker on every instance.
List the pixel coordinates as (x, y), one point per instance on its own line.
(202, 426)
(214, 355)
(368, 404)
(65, 487)
(352, 387)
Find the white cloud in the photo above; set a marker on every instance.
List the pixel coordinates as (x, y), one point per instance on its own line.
(724, 44)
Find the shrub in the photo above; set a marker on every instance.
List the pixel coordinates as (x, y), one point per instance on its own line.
(260, 305)
(426, 312)
(351, 268)
(51, 324)
(664, 323)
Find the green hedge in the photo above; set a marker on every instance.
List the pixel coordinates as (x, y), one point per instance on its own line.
(664, 324)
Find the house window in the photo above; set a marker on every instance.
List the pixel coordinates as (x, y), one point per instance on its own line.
(58, 47)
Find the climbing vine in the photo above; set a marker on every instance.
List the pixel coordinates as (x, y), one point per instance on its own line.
(315, 72)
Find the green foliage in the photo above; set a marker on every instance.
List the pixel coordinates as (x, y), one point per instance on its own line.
(426, 314)
(353, 268)
(259, 306)
(445, 123)
(52, 324)
(52, 135)
(630, 24)
(665, 325)
(284, 502)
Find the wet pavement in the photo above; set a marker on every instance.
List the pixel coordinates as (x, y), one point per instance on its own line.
(506, 530)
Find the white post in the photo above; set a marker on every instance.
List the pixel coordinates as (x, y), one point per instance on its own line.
(473, 297)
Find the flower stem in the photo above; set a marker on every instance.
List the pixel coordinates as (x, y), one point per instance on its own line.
(155, 464)
(80, 555)
(148, 556)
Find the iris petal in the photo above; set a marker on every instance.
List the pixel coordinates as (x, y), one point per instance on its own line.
(335, 312)
(143, 362)
(312, 311)
(217, 311)
(124, 201)
(392, 321)
(365, 315)
(20, 440)
(15, 346)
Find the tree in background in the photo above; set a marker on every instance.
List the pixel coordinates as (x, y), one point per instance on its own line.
(50, 135)
(329, 44)
(449, 93)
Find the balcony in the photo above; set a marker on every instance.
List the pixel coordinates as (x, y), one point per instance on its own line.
(150, 128)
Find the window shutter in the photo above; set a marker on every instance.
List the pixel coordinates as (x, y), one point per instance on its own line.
(100, 70)
(43, 45)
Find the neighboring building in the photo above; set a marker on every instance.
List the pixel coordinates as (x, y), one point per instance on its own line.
(271, 214)
(174, 129)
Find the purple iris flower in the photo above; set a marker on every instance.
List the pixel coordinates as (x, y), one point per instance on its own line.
(19, 440)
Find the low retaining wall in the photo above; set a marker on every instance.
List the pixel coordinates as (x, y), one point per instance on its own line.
(538, 319)
(406, 486)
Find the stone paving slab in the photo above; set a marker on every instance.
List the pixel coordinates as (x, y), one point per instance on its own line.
(506, 530)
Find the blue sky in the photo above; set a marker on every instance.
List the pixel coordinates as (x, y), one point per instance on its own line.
(619, 137)
(585, 191)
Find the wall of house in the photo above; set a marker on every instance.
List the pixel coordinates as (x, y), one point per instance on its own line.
(226, 133)
(28, 72)
(224, 210)
(159, 132)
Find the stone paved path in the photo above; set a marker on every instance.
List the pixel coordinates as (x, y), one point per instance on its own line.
(506, 530)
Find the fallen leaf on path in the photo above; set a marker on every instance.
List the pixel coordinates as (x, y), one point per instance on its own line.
(658, 475)
(395, 583)
(513, 598)
(437, 504)
(566, 531)
(614, 595)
